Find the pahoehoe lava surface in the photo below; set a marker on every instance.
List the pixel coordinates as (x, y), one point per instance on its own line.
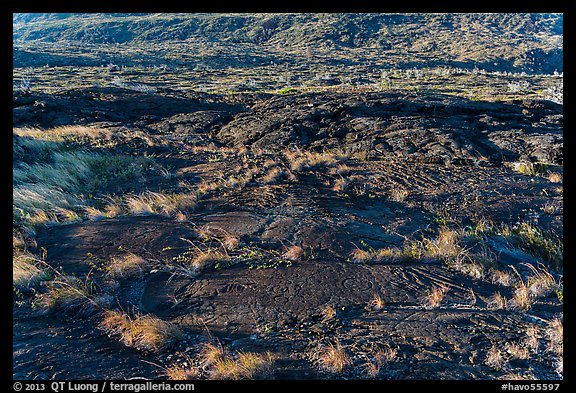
(447, 153)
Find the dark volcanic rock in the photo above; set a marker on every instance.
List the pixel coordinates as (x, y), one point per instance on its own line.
(425, 129)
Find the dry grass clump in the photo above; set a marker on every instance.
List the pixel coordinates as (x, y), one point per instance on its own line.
(517, 351)
(208, 258)
(377, 303)
(501, 277)
(333, 358)
(143, 332)
(381, 358)
(272, 176)
(386, 355)
(52, 179)
(247, 365)
(158, 203)
(61, 133)
(496, 302)
(244, 365)
(435, 297)
(446, 245)
(182, 372)
(522, 299)
(211, 353)
(555, 177)
(230, 242)
(399, 194)
(126, 266)
(531, 336)
(555, 335)
(327, 312)
(341, 169)
(340, 184)
(495, 359)
(301, 160)
(359, 255)
(67, 294)
(26, 271)
(293, 253)
(541, 283)
(37, 204)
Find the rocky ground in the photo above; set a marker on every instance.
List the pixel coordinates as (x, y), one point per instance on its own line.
(399, 228)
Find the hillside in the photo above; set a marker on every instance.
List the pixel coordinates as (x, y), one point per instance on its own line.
(505, 42)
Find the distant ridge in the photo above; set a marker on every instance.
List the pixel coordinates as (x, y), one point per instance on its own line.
(507, 42)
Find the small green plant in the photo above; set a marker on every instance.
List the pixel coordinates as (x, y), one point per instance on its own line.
(287, 90)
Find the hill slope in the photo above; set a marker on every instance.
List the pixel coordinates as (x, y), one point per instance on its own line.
(506, 42)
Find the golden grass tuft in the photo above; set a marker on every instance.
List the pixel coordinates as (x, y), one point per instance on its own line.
(501, 277)
(555, 177)
(446, 244)
(377, 303)
(150, 202)
(334, 358)
(293, 253)
(243, 365)
(382, 357)
(26, 272)
(541, 282)
(143, 332)
(399, 194)
(67, 294)
(341, 169)
(522, 299)
(178, 372)
(272, 176)
(126, 266)
(230, 242)
(207, 259)
(212, 353)
(301, 160)
(435, 297)
(340, 184)
(531, 338)
(386, 355)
